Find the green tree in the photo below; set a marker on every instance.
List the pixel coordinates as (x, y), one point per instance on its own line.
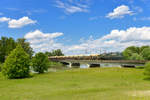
(146, 53)
(1, 65)
(147, 69)
(136, 56)
(144, 47)
(137, 53)
(57, 52)
(6, 46)
(127, 53)
(48, 53)
(40, 62)
(26, 46)
(17, 64)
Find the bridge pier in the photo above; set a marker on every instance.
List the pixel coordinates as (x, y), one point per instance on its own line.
(65, 63)
(94, 65)
(75, 64)
(128, 66)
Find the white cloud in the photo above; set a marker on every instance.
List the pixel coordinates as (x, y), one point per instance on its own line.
(43, 41)
(119, 12)
(4, 19)
(116, 40)
(13, 23)
(39, 34)
(71, 6)
(131, 34)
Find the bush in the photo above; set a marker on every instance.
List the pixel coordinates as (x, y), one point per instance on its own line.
(17, 64)
(147, 69)
(40, 62)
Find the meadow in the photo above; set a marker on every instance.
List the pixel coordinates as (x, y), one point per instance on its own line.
(79, 84)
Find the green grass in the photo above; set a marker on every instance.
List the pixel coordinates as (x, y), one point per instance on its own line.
(79, 84)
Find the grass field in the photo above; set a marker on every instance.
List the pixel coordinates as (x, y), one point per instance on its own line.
(79, 84)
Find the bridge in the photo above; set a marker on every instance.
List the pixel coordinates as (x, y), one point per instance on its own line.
(94, 61)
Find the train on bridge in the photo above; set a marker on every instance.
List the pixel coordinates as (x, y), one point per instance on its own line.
(109, 56)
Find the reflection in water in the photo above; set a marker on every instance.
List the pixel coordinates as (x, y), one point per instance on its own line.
(84, 66)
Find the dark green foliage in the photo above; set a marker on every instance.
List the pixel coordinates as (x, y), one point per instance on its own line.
(17, 64)
(1, 65)
(40, 62)
(57, 52)
(26, 46)
(147, 69)
(6, 46)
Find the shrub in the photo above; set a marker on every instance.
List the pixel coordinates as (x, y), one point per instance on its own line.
(40, 62)
(147, 69)
(17, 64)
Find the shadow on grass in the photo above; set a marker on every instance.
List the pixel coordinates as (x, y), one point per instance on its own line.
(147, 78)
(20, 78)
(140, 67)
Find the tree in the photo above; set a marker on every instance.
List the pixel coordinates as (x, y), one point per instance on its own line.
(17, 64)
(6, 46)
(40, 62)
(136, 56)
(1, 65)
(48, 53)
(146, 53)
(144, 47)
(127, 53)
(26, 46)
(57, 52)
(137, 53)
(147, 69)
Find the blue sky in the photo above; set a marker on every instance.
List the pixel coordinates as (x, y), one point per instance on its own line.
(77, 26)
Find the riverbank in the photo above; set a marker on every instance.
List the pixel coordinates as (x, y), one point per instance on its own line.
(79, 84)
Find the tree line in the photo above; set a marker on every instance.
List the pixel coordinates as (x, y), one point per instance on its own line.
(17, 60)
(8, 44)
(137, 53)
(130, 53)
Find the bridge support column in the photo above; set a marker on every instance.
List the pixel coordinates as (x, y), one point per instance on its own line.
(65, 63)
(94, 65)
(128, 66)
(75, 64)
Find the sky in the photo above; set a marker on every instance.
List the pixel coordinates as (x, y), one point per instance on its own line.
(77, 26)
